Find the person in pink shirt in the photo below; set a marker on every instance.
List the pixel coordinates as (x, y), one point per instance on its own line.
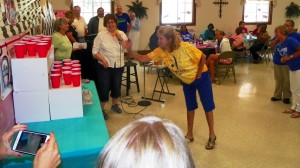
(238, 40)
(242, 25)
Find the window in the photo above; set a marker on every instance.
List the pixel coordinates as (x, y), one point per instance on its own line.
(257, 11)
(89, 7)
(176, 12)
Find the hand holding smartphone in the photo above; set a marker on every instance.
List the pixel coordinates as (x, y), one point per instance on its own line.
(29, 142)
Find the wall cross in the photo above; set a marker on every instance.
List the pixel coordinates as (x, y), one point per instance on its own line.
(221, 3)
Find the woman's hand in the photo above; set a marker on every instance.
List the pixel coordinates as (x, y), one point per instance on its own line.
(105, 63)
(5, 141)
(48, 155)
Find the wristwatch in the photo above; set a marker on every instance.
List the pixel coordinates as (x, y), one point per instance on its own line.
(291, 56)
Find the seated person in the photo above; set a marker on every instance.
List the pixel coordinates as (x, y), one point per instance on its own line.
(238, 40)
(223, 45)
(259, 43)
(242, 25)
(209, 33)
(153, 41)
(255, 31)
(185, 34)
(147, 142)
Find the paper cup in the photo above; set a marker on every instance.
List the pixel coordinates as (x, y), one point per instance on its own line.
(20, 50)
(67, 77)
(76, 78)
(42, 49)
(31, 48)
(55, 80)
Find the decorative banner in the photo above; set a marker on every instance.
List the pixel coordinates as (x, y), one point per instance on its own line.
(5, 75)
(17, 16)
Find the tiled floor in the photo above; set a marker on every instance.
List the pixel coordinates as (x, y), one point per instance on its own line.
(251, 130)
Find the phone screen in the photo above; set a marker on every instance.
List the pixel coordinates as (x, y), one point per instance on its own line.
(29, 142)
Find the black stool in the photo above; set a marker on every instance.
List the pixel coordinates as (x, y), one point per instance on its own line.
(127, 66)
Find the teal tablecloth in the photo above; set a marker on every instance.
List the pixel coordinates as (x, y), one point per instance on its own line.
(80, 140)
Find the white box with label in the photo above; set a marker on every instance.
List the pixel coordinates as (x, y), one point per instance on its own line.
(31, 106)
(65, 102)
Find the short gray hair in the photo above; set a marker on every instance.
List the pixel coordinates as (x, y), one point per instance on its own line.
(148, 142)
(59, 22)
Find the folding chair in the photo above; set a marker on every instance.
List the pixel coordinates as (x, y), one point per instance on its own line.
(266, 52)
(225, 65)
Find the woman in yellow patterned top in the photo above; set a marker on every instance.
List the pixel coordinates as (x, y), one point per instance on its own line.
(188, 64)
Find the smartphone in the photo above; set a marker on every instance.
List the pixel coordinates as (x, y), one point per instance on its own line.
(29, 142)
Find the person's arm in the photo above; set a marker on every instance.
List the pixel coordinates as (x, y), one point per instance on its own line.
(201, 65)
(274, 42)
(128, 28)
(96, 51)
(70, 37)
(48, 155)
(291, 57)
(6, 139)
(135, 55)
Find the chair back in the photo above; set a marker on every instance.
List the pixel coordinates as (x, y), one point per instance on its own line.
(225, 65)
(226, 58)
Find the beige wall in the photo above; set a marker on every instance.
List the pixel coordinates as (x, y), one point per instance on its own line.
(206, 13)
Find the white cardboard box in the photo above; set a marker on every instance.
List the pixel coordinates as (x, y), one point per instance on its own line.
(31, 73)
(31, 106)
(65, 102)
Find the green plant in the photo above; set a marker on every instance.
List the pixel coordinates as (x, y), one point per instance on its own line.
(138, 9)
(293, 10)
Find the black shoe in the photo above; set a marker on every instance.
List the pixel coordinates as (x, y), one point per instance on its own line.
(115, 108)
(255, 61)
(105, 116)
(286, 101)
(275, 99)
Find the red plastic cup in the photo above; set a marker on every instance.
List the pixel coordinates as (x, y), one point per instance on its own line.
(75, 61)
(67, 60)
(55, 71)
(67, 77)
(20, 50)
(68, 64)
(26, 39)
(55, 80)
(46, 42)
(31, 48)
(57, 62)
(66, 68)
(57, 66)
(76, 65)
(49, 40)
(76, 70)
(76, 78)
(42, 49)
(39, 36)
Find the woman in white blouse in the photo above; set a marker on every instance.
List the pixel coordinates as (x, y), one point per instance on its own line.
(108, 50)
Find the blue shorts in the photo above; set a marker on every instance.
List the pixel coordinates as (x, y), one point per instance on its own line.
(203, 85)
